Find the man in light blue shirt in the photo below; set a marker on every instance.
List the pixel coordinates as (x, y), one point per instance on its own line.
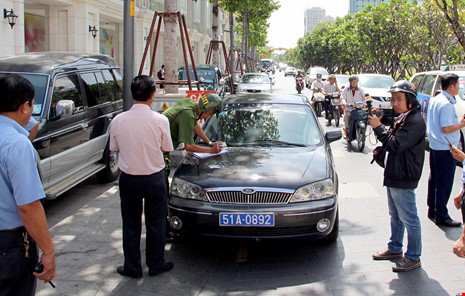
(22, 218)
(443, 127)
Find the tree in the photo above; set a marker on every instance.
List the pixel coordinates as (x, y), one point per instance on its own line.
(171, 47)
(454, 11)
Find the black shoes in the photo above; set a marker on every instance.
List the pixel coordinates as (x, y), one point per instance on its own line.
(449, 223)
(124, 272)
(406, 265)
(166, 267)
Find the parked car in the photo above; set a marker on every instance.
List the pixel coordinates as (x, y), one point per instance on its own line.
(290, 71)
(429, 85)
(377, 87)
(76, 97)
(310, 76)
(254, 83)
(209, 77)
(342, 80)
(274, 181)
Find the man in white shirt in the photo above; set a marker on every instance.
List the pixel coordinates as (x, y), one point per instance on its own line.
(141, 136)
(350, 95)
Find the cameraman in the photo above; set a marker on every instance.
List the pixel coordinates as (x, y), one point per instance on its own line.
(405, 154)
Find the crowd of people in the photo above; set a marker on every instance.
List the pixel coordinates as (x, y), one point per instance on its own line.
(143, 138)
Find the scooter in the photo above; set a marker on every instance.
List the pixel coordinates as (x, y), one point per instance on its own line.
(358, 123)
(319, 100)
(299, 84)
(333, 102)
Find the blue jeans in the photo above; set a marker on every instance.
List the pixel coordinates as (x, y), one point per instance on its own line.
(403, 212)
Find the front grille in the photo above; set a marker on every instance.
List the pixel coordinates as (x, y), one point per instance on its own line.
(254, 91)
(258, 197)
(251, 231)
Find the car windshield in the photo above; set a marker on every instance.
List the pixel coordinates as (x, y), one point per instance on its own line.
(40, 86)
(376, 82)
(342, 80)
(321, 71)
(281, 125)
(208, 75)
(260, 79)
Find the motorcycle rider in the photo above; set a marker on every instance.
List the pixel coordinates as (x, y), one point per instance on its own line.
(350, 95)
(297, 76)
(317, 86)
(329, 88)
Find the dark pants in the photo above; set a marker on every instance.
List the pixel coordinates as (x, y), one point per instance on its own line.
(133, 190)
(442, 170)
(15, 269)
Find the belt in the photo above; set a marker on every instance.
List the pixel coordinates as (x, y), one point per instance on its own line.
(17, 229)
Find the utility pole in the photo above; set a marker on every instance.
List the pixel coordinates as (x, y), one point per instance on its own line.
(128, 53)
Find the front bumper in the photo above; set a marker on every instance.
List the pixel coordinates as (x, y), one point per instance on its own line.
(291, 220)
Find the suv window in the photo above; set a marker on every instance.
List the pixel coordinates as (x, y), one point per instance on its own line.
(67, 88)
(95, 88)
(116, 93)
(428, 84)
(417, 79)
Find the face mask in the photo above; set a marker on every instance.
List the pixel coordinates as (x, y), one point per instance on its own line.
(318, 79)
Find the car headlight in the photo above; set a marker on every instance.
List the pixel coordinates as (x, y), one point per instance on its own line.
(315, 191)
(187, 190)
(239, 88)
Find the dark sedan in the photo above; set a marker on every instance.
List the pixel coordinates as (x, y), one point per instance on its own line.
(275, 179)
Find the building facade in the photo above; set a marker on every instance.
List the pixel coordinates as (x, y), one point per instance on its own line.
(357, 5)
(65, 25)
(313, 17)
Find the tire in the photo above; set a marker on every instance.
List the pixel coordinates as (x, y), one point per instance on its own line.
(360, 133)
(337, 116)
(333, 235)
(111, 171)
(318, 109)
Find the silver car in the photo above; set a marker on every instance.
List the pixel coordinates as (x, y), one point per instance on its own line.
(254, 83)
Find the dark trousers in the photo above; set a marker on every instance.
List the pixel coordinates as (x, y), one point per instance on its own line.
(441, 179)
(15, 269)
(148, 192)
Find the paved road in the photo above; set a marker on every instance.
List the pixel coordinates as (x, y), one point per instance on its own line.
(86, 228)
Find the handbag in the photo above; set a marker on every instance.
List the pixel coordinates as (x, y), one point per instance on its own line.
(379, 155)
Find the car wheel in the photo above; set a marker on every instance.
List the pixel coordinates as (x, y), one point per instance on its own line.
(333, 235)
(111, 171)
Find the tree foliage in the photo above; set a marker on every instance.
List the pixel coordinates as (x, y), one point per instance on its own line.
(383, 39)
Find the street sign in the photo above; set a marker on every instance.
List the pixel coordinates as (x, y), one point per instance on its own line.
(164, 107)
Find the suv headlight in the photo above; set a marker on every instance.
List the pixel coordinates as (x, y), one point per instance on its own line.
(315, 191)
(187, 190)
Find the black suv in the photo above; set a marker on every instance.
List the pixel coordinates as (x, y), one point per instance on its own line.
(76, 97)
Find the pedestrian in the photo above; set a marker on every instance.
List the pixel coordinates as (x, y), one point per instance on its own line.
(141, 136)
(23, 225)
(161, 75)
(405, 153)
(443, 127)
(351, 94)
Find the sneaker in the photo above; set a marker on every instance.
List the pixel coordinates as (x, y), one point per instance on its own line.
(386, 255)
(406, 264)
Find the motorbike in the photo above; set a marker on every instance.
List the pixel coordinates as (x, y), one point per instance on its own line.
(333, 103)
(319, 100)
(299, 84)
(358, 123)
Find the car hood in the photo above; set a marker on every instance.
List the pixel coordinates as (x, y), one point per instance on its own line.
(285, 168)
(377, 92)
(254, 86)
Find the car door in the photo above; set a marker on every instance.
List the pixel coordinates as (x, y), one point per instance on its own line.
(68, 119)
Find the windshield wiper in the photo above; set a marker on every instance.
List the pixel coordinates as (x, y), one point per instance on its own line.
(281, 142)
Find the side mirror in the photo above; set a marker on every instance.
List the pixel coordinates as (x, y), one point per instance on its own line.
(437, 92)
(333, 136)
(64, 108)
(222, 81)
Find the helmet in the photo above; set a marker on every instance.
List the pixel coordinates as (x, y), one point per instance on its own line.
(352, 78)
(209, 102)
(404, 86)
